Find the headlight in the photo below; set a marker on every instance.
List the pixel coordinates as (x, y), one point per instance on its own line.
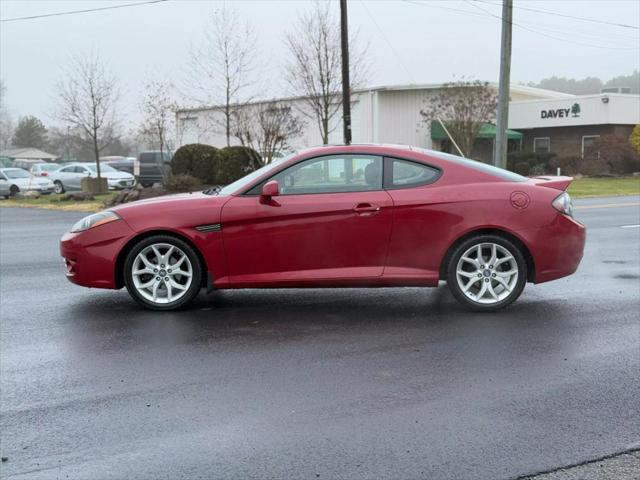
(94, 220)
(563, 204)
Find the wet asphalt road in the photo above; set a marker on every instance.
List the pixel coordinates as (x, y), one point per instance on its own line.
(397, 383)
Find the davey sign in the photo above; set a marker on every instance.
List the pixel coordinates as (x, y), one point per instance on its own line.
(574, 111)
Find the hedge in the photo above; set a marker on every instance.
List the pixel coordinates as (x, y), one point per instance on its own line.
(236, 162)
(197, 160)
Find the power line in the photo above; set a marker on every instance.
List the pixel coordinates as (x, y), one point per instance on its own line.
(486, 14)
(72, 12)
(550, 36)
(386, 39)
(558, 14)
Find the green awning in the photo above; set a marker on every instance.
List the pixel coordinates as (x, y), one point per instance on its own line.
(487, 130)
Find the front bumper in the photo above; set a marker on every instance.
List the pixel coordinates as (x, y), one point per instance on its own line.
(43, 190)
(119, 184)
(90, 257)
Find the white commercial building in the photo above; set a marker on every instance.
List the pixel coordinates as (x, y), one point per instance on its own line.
(391, 114)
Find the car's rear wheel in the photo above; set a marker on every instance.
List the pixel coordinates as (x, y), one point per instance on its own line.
(487, 272)
(162, 273)
(58, 187)
(13, 191)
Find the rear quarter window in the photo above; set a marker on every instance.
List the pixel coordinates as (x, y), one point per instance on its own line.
(401, 173)
(478, 166)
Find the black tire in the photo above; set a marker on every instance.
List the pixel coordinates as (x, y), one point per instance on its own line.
(58, 187)
(196, 280)
(13, 191)
(463, 298)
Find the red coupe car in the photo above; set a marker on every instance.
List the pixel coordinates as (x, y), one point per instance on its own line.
(338, 216)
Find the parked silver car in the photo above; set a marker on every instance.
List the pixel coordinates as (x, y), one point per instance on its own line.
(14, 180)
(70, 176)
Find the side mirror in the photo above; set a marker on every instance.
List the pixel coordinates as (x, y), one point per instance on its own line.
(270, 189)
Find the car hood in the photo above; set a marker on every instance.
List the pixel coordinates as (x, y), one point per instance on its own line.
(163, 202)
(177, 211)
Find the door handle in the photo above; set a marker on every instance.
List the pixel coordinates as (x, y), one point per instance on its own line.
(366, 208)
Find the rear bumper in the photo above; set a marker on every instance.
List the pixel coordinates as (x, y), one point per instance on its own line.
(90, 256)
(557, 249)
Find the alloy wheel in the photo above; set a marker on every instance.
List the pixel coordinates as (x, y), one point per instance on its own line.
(487, 273)
(162, 273)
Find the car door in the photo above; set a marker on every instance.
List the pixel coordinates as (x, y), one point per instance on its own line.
(79, 173)
(420, 224)
(4, 185)
(65, 176)
(332, 220)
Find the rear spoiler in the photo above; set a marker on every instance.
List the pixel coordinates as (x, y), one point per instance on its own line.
(559, 183)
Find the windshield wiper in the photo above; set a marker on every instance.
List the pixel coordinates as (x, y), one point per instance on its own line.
(213, 190)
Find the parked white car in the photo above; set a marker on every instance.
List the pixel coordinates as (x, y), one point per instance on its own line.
(70, 176)
(43, 169)
(15, 180)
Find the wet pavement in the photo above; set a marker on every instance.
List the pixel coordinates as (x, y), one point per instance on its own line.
(338, 383)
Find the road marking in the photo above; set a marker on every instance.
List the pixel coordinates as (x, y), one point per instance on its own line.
(607, 205)
(629, 226)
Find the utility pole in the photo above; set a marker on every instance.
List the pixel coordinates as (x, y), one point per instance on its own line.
(346, 91)
(500, 151)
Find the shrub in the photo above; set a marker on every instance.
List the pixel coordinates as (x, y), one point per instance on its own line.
(612, 154)
(182, 183)
(133, 194)
(529, 163)
(594, 167)
(568, 165)
(634, 139)
(197, 160)
(235, 163)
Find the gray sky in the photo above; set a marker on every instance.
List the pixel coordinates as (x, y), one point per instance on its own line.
(414, 41)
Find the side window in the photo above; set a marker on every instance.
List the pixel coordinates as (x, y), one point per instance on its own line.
(68, 170)
(331, 174)
(147, 158)
(404, 174)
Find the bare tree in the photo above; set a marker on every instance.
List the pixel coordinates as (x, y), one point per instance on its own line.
(6, 124)
(463, 106)
(223, 62)
(158, 110)
(266, 127)
(88, 98)
(314, 71)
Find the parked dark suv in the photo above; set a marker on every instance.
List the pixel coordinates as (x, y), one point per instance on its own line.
(154, 167)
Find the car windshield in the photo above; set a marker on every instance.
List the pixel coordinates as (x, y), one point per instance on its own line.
(248, 179)
(479, 166)
(16, 173)
(103, 168)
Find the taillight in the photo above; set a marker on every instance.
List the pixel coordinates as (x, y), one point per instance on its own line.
(563, 204)
(44, 174)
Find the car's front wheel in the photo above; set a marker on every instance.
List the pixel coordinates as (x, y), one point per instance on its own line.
(487, 272)
(14, 190)
(162, 273)
(58, 187)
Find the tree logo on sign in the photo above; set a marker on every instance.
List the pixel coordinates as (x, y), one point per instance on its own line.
(575, 110)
